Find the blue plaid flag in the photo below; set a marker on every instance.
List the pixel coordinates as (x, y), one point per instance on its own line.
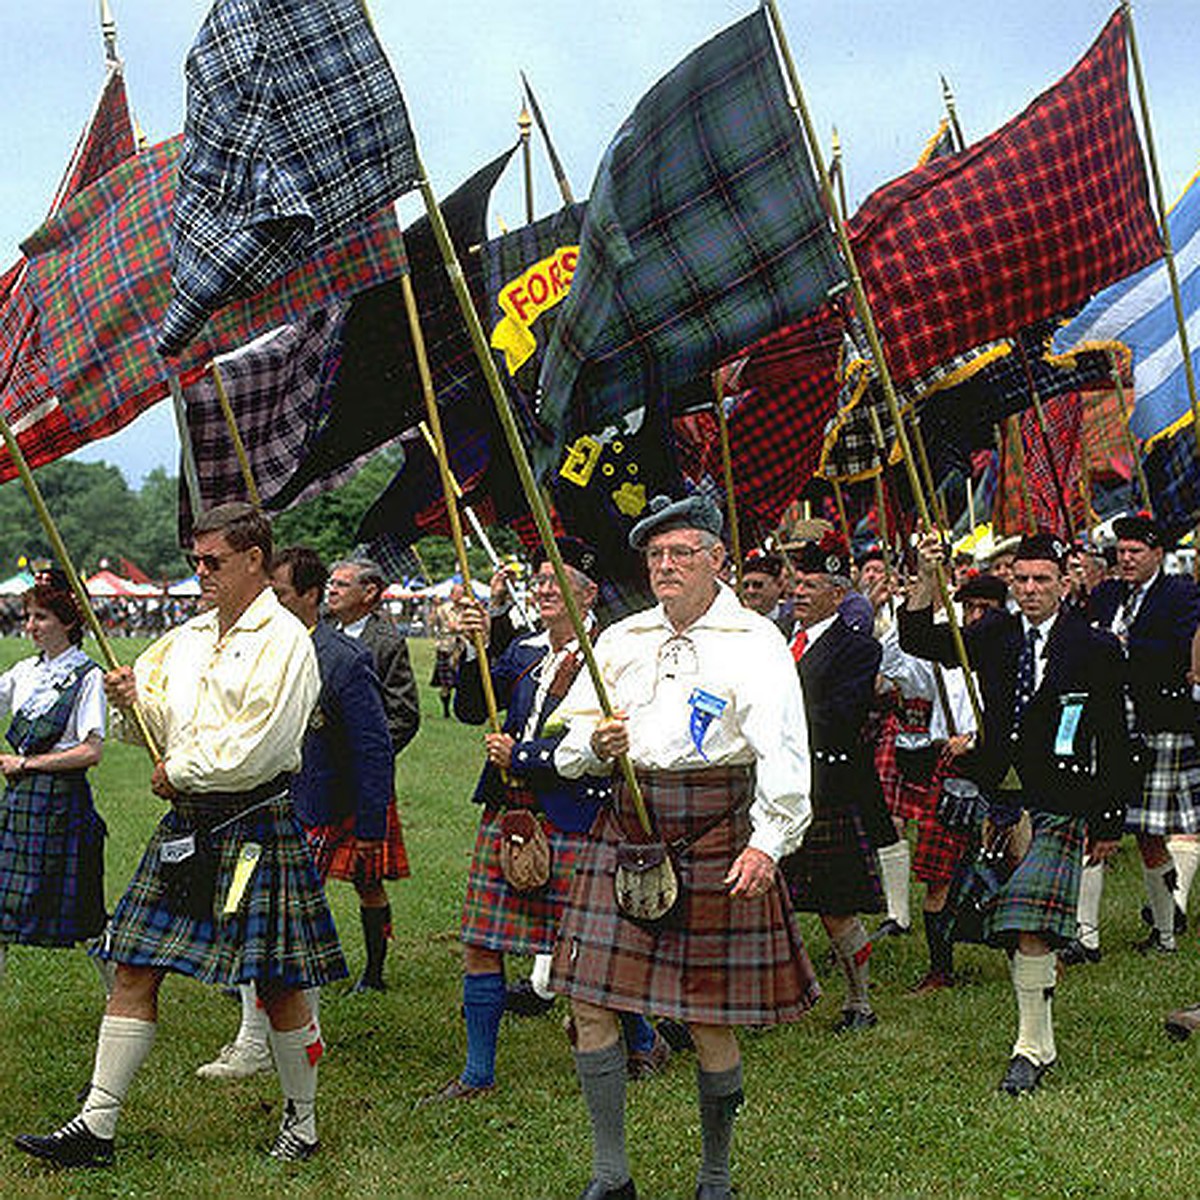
(1173, 477)
(296, 131)
(705, 230)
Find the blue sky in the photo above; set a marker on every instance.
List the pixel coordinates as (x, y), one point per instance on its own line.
(871, 68)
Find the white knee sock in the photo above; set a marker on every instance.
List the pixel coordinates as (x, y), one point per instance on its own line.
(313, 996)
(254, 1026)
(1186, 853)
(894, 864)
(1033, 980)
(121, 1049)
(539, 977)
(1162, 901)
(297, 1052)
(1091, 888)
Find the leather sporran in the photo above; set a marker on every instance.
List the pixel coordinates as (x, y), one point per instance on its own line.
(187, 865)
(646, 885)
(525, 856)
(960, 804)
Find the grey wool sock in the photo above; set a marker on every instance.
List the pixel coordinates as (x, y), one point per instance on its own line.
(720, 1098)
(602, 1081)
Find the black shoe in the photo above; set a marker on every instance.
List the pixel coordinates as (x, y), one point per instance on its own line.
(1075, 952)
(1152, 944)
(678, 1036)
(1183, 1022)
(599, 1191)
(1023, 1075)
(74, 1145)
(711, 1191)
(522, 1001)
(892, 928)
(288, 1147)
(365, 985)
(1180, 918)
(854, 1019)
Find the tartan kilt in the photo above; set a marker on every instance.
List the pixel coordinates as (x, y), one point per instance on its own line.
(445, 673)
(730, 962)
(282, 933)
(496, 917)
(1042, 893)
(1170, 797)
(885, 762)
(836, 869)
(939, 849)
(334, 851)
(51, 860)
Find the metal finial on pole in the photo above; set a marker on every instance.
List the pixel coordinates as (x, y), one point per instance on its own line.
(108, 30)
(952, 113)
(525, 125)
(560, 175)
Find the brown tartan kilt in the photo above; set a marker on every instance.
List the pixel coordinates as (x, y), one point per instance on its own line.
(336, 855)
(731, 961)
(836, 869)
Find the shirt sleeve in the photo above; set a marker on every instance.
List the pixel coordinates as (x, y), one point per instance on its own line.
(89, 712)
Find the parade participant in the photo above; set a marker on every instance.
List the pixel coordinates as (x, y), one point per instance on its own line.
(836, 873)
(51, 837)
(226, 891)
(343, 789)
(1154, 616)
(764, 588)
(1053, 743)
(354, 596)
(447, 644)
(708, 709)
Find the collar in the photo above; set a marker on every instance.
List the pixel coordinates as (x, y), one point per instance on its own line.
(64, 664)
(1044, 629)
(726, 614)
(1140, 591)
(263, 608)
(355, 628)
(815, 631)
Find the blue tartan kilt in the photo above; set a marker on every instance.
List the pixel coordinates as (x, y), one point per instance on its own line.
(281, 934)
(51, 860)
(836, 869)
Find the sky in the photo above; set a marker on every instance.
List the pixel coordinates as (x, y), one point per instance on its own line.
(870, 68)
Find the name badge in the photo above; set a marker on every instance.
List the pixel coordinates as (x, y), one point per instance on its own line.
(705, 707)
(177, 850)
(1068, 722)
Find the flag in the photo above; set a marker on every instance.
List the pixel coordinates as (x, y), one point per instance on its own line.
(1173, 476)
(296, 133)
(375, 392)
(1052, 465)
(1139, 312)
(705, 231)
(1026, 223)
(98, 275)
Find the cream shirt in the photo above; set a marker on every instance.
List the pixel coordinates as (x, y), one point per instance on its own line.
(731, 653)
(229, 712)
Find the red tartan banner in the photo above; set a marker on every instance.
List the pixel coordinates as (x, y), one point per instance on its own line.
(1052, 469)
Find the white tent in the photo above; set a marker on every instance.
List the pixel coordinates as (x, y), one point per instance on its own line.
(185, 587)
(16, 585)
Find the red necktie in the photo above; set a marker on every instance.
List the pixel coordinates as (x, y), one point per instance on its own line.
(798, 644)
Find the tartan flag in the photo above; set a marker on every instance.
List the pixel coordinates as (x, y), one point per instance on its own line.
(1026, 223)
(1052, 465)
(375, 393)
(1106, 450)
(296, 133)
(1139, 312)
(705, 231)
(98, 274)
(1173, 477)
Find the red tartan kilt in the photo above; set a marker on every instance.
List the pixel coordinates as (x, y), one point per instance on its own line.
(333, 848)
(885, 760)
(939, 850)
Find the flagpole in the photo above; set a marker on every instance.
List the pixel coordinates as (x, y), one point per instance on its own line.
(839, 502)
(525, 129)
(735, 539)
(191, 476)
(885, 377)
(1134, 451)
(239, 447)
(952, 113)
(560, 175)
(939, 508)
(839, 170)
(1039, 413)
(880, 490)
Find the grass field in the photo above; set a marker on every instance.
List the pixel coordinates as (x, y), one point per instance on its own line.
(908, 1109)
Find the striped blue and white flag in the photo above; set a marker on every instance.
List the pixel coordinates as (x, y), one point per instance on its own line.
(1140, 312)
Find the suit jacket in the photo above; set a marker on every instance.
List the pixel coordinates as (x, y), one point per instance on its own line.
(346, 761)
(390, 651)
(1159, 649)
(572, 804)
(1093, 776)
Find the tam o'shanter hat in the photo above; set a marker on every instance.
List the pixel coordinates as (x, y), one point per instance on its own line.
(696, 511)
(1046, 547)
(575, 553)
(1140, 527)
(829, 556)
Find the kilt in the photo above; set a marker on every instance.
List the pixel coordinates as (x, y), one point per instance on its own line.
(1042, 893)
(885, 759)
(730, 962)
(282, 933)
(836, 869)
(445, 670)
(939, 849)
(496, 917)
(51, 860)
(335, 853)
(1170, 797)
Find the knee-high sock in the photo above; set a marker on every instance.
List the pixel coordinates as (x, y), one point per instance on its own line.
(1087, 913)
(297, 1052)
(539, 977)
(1160, 891)
(1033, 978)
(853, 950)
(377, 927)
(941, 949)
(602, 1081)
(894, 863)
(121, 1049)
(483, 1005)
(1185, 851)
(720, 1097)
(255, 1027)
(313, 996)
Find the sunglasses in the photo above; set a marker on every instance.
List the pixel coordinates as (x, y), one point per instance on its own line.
(212, 563)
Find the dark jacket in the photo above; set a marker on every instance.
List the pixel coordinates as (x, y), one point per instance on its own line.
(1092, 777)
(400, 702)
(1158, 653)
(346, 761)
(571, 804)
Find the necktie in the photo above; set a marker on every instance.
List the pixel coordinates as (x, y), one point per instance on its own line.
(1125, 616)
(1025, 673)
(798, 644)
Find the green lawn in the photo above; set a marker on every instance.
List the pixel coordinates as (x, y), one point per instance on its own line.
(908, 1109)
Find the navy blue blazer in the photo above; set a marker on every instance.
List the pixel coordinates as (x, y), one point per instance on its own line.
(572, 804)
(1159, 650)
(346, 762)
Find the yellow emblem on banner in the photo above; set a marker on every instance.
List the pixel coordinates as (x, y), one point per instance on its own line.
(525, 298)
(582, 456)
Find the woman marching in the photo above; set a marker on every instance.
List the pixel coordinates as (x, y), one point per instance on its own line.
(51, 837)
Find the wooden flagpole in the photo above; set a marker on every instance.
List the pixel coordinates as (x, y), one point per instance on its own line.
(239, 447)
(838, 167)
(1134, 450)
(839, 502)
(939, 509)
(880, 490)
(880, 362)
(191, 476)
(735, 537)
(560, 175)
(525, 129)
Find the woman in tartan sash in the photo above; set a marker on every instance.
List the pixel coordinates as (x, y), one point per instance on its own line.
(51, 837)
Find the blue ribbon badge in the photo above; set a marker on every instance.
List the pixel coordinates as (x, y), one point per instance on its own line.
(705, 706)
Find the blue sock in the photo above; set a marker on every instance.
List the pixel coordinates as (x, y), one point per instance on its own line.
(639, 1033)
(483, 1006)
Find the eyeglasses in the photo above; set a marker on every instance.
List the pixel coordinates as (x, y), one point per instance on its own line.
(212, 563)
(682, 555)
(544, 583)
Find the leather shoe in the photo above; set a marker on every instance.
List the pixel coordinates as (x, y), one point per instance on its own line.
(596, 1190)
(522, 1001)
(1152, 944)
(1183, 1022)
(930, 982)
(854, 1019)
(641, 1064)
(1180, 918)
(74, 1145)
(456, 1090)
(711, 1191)
(1023, 1075)
(1075, 953)
(366, 985)
(892, 928)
